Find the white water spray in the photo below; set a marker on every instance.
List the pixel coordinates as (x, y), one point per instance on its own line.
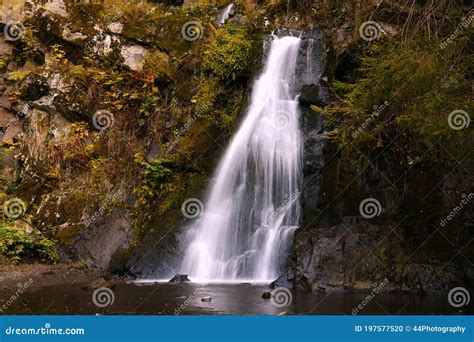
(225, 14)
(252, 209)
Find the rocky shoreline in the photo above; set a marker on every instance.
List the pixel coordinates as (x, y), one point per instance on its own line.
(32, 276)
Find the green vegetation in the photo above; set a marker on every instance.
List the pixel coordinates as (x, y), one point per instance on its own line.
(405, 92)
(181, 107)
(16, 245)
(156, 173)
(228, 53)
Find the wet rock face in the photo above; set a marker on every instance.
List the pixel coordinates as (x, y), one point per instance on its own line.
(156, 258)
(338, 249)
(34, 88)
(98, 243)
(309, 72)
(357, 256)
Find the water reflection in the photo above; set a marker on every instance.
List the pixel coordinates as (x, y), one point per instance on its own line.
(226, 299)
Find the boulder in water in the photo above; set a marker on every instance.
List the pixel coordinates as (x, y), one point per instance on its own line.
(266, 295)
(179, 278)
(206, 299)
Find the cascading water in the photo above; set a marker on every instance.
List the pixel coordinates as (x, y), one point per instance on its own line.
(252, 209)
(225, 14)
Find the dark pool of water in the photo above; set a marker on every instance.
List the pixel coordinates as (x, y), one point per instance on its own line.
(226, 299)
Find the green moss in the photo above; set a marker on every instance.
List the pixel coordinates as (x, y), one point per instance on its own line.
(19, 75)
(156, 175)
(227, 53)
(83, 18)
(3, 63)
(68, 235)
(158, 65)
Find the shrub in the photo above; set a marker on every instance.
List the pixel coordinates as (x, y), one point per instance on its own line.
(415, 90)
(15, 244)
(155, 176)
(227, 53)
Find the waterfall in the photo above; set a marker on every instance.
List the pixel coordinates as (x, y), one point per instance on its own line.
(225, 14)
(252, 208)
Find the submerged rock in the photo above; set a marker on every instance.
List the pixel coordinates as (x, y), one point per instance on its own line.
(101, 282)
(179, 278)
